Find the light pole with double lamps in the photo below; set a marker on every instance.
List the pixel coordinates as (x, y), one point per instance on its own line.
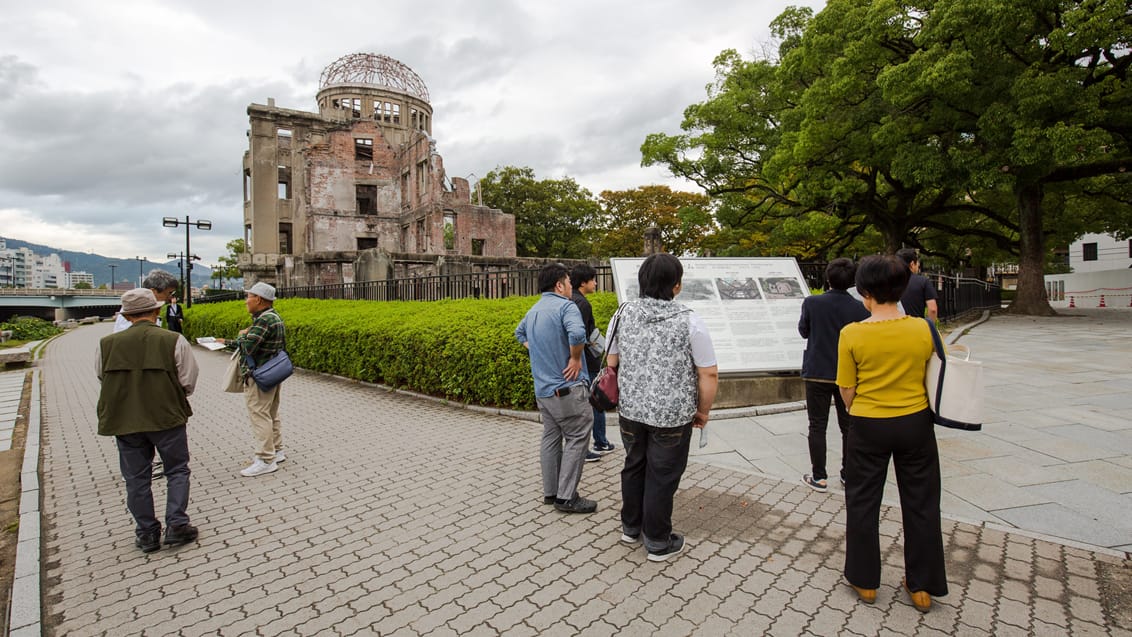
(201, 224)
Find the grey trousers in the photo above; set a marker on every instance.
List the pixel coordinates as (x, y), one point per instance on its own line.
(135, 457)
(566, 426)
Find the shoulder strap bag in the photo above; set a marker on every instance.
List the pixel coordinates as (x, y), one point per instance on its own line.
(274, 370)
(604, 394)
(955, 386)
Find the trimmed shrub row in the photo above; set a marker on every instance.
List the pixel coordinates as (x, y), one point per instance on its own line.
(463, 350)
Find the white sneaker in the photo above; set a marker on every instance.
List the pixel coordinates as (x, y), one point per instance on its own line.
(258, 468)
(280, 456)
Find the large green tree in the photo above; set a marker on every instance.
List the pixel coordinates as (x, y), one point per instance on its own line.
(552, 216)
(1039, 90)
(966, 128)
(684, 220)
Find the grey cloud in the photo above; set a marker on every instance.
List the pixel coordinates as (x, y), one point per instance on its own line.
(15, 75)
(176, 144)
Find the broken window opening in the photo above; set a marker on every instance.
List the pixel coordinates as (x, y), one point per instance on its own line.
(449, 230)
(422, 180)
(477, 247)
(422, 238)
(284, 238)
(283, 138)
(396, 113)
(355, 106)
(247, 184)
(284, 182)
(363, 149)
(367, 243)
(367, 199)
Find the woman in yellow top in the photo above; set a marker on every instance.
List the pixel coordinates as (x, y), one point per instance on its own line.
(880, 372)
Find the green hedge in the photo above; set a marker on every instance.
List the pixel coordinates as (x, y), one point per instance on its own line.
(462, 350)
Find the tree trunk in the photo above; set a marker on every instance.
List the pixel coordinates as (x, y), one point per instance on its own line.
(1030, 299)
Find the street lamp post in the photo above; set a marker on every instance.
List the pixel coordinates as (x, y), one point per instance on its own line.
(201, 224)
(181, 258)
(141, 261)
(112, 268)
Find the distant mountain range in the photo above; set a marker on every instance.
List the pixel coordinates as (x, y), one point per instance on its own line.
(125, 270)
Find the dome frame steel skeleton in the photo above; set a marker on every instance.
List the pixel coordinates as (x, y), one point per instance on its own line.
(375, 70)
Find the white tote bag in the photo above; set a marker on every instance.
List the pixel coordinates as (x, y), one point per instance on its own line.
(955, 386)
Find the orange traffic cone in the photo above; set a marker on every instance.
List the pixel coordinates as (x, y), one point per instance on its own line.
(1071, 303)
(1102, 301)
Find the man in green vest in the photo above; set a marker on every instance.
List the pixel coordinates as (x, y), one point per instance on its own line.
(147, 374)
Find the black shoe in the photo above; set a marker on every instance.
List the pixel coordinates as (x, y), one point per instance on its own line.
(149, 542)
(177, 535)
(577, 504)
(676, 545)
(604, 449)
(592, 457)
(548, 499)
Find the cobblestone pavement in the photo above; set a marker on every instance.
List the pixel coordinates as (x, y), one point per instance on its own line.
(398, 516)
(1055, 453)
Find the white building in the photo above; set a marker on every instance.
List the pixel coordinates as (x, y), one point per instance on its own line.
(74, 278)
(48, 272)
(1100, 265)
(1099, 252)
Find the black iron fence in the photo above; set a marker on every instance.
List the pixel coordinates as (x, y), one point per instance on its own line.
(958, 296)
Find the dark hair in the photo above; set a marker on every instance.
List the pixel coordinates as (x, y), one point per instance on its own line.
(550, 275)
(658, 275)
(582, 273)
(909, 255)
(883, 278)
(840, 273)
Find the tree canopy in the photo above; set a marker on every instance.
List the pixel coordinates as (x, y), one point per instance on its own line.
(684, 220)
(551, 215)
(967, 129)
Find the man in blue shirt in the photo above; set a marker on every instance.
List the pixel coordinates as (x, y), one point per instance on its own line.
(555, 335)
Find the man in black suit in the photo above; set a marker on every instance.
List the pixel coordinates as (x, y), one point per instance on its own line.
(823, 316)
(173, 315)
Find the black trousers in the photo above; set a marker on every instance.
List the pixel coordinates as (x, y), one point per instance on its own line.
(910, 442)
(135, 456)
(655, 459)
(817, 409)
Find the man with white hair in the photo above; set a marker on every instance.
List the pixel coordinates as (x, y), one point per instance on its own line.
(163, 285)
(262, 340)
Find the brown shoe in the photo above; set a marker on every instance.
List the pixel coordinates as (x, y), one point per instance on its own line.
(920, 599)
(867, 595)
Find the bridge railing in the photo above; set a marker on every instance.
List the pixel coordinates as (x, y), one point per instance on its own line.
(56, 292)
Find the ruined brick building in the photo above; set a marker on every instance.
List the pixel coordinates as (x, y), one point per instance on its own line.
(357, 191)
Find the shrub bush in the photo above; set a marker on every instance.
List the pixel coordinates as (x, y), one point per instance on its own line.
(463, 350)
(30, 328)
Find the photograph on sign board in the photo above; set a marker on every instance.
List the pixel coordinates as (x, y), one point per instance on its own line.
(738, 289)
(782, 288)
(697, 290)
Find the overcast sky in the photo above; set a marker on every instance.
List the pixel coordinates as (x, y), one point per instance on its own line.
(114, 113)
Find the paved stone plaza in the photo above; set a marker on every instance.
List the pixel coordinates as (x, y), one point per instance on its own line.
(396, 515)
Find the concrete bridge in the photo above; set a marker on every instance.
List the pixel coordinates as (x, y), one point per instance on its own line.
(57, 304)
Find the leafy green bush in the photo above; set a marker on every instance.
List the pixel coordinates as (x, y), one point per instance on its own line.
(30, 328)
(463, 350)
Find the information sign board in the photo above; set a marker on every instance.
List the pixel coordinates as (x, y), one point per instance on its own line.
(750, 305)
